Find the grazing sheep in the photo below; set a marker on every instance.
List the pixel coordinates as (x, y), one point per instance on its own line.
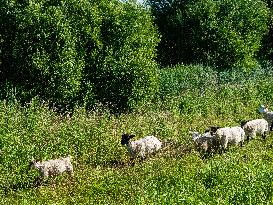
(253, 127)
(53, 167)
(212, 130)
(141, 147)
(230, 135)
(268, 116)
(205, 142)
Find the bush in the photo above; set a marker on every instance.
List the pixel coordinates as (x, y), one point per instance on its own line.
(266, 51)
(223, 33)
(72, 52)
(124, 73)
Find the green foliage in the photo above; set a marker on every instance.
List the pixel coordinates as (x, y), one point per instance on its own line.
(196, 90)
(176, 175)
(125, 73)
(222, 34)
(266, 52)
(78, 52)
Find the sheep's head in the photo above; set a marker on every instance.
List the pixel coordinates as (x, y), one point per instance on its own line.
(195, 135)
(125, 138)
(244, 122)
(212, 129)
(32, 163)
(263, 109)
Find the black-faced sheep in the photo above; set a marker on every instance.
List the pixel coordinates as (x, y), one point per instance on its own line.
(141, 147)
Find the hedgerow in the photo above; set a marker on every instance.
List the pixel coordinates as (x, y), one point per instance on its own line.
(72, 52)
(224, 34)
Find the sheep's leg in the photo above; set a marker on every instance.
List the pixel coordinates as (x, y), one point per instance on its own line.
(70, 172)
(241, 143)
(132, 161)
(224, 144)
(271, 127)
(38, 181)
(247, 138)
(264, 135)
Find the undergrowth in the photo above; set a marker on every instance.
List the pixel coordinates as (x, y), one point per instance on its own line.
(176, 175)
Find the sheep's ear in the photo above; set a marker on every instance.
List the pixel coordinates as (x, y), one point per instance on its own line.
(244, 122)
(125, 135)
(214, 128)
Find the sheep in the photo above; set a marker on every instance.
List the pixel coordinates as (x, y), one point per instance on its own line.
(268, 116)
(53, 167)
(142, 147)
(205, 142)
(212, 130)
(253, 127)
(230, 135)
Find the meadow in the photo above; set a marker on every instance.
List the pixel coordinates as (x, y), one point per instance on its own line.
(190, 98)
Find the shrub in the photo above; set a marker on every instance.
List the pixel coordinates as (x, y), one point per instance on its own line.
(72, 52)
(266, 51)
(223, 33)
(124, 73)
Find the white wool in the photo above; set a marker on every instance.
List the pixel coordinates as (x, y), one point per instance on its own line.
(253, 127)
(230, 135)
(54, 167)
(143, 146)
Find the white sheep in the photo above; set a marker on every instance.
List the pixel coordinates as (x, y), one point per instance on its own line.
(230, 135)
(141, 147)
(205, 142)
(268, 116)
(53, 167)
(253, 127)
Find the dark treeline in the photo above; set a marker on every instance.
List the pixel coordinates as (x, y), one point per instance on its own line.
(71, 52)
(79, 53)
(223, 34)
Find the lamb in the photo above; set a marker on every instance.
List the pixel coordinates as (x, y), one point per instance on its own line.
(253, 127)
(268, 116)
(53, 167)
(230, 135)
(142, 147)
(205, 142)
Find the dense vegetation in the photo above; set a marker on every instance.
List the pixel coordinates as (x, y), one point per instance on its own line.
(176, 175)
(93, 57)
(78, 52)
(224, 34)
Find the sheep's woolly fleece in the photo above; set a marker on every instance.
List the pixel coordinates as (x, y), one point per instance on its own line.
(254, 127)
(230, 135)
(54, 166)
(143, 147)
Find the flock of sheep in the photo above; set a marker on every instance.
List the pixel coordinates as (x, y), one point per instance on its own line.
(217, 138)
(213, 138)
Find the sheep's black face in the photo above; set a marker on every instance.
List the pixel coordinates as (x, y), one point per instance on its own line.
(243, 123)
(214, 128)
(31, 164)
(125, 138)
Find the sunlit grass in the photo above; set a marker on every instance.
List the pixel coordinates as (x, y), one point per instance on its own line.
(103, 175)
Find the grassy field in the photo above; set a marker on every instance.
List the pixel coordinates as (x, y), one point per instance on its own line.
(190, 98)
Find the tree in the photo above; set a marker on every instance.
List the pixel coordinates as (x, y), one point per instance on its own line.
(224, 34)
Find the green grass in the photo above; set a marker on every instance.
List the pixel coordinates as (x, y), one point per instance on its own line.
(176, 175)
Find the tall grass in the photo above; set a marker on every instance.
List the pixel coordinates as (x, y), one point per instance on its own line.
(190, 98)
